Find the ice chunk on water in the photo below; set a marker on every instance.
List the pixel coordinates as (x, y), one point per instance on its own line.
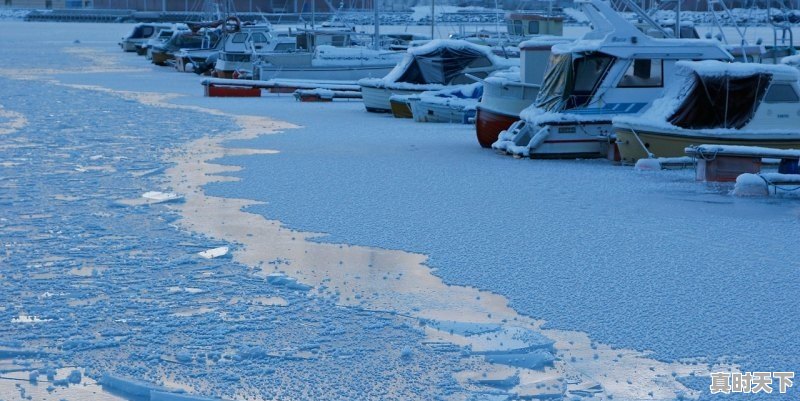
(278, 279)
(129, 387)
(214, 253)
(501, 382)
(537, 359)
(162, 396)
(161, 197)
(74, 377)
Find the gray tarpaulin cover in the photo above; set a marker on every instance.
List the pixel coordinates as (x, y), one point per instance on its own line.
(571, 80)
(721, 101)
(441, 65)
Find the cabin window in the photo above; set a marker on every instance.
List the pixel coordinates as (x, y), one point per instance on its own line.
(516, 27)
(533, 27)
(147, 31)
(284, 47)
(302, 42)
(589, 71)
(781, 93)
(259, 37)
(239, 38)
(332, 40)
(643, 73)
(688, 32)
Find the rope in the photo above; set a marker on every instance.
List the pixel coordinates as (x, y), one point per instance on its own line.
(636, 135)
(777, 187)
(702, 155)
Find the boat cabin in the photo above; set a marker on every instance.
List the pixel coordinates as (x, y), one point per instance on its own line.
(530, 24)
(141, 33)
(619, 69)
(248, 38)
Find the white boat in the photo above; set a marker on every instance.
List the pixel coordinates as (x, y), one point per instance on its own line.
(718, 104)
(164, 53)
(326, 62)
(140, 34)
(615, 69)
(506, 95)
(187, 59)
(451, 105)
(433, 66)
(241, 42)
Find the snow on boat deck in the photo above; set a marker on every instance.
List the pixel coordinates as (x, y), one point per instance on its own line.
(640, 261)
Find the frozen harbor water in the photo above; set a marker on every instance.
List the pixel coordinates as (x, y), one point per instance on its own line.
(615, 263)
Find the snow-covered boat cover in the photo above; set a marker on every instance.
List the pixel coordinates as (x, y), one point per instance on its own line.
(437, 64)
(711, 68)
(712, 97)
(464, 97)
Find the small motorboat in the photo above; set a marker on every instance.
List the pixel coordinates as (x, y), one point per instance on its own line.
(452, 105)
(716, 103)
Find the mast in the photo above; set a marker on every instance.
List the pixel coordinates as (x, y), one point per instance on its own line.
(375, 7)
(313, 13)
(433, 18)
(497, 19)
(678, 19)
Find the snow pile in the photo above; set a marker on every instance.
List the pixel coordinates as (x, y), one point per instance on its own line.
(750, 185)
(648, 165)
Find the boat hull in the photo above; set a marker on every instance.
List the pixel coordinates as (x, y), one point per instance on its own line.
(376, 100)
(499, 107)
(353, 73)
(160, 58)
(427, 112)
(673, 144)
(489, 124)
(401, 109)
(564, 140)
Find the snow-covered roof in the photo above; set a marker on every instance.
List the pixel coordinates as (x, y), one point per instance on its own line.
(543, 41)
(711, 68)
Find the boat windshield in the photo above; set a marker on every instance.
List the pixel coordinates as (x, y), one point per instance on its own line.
(571, 80)
(188, 41)
(721, 101)
(142, 32)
